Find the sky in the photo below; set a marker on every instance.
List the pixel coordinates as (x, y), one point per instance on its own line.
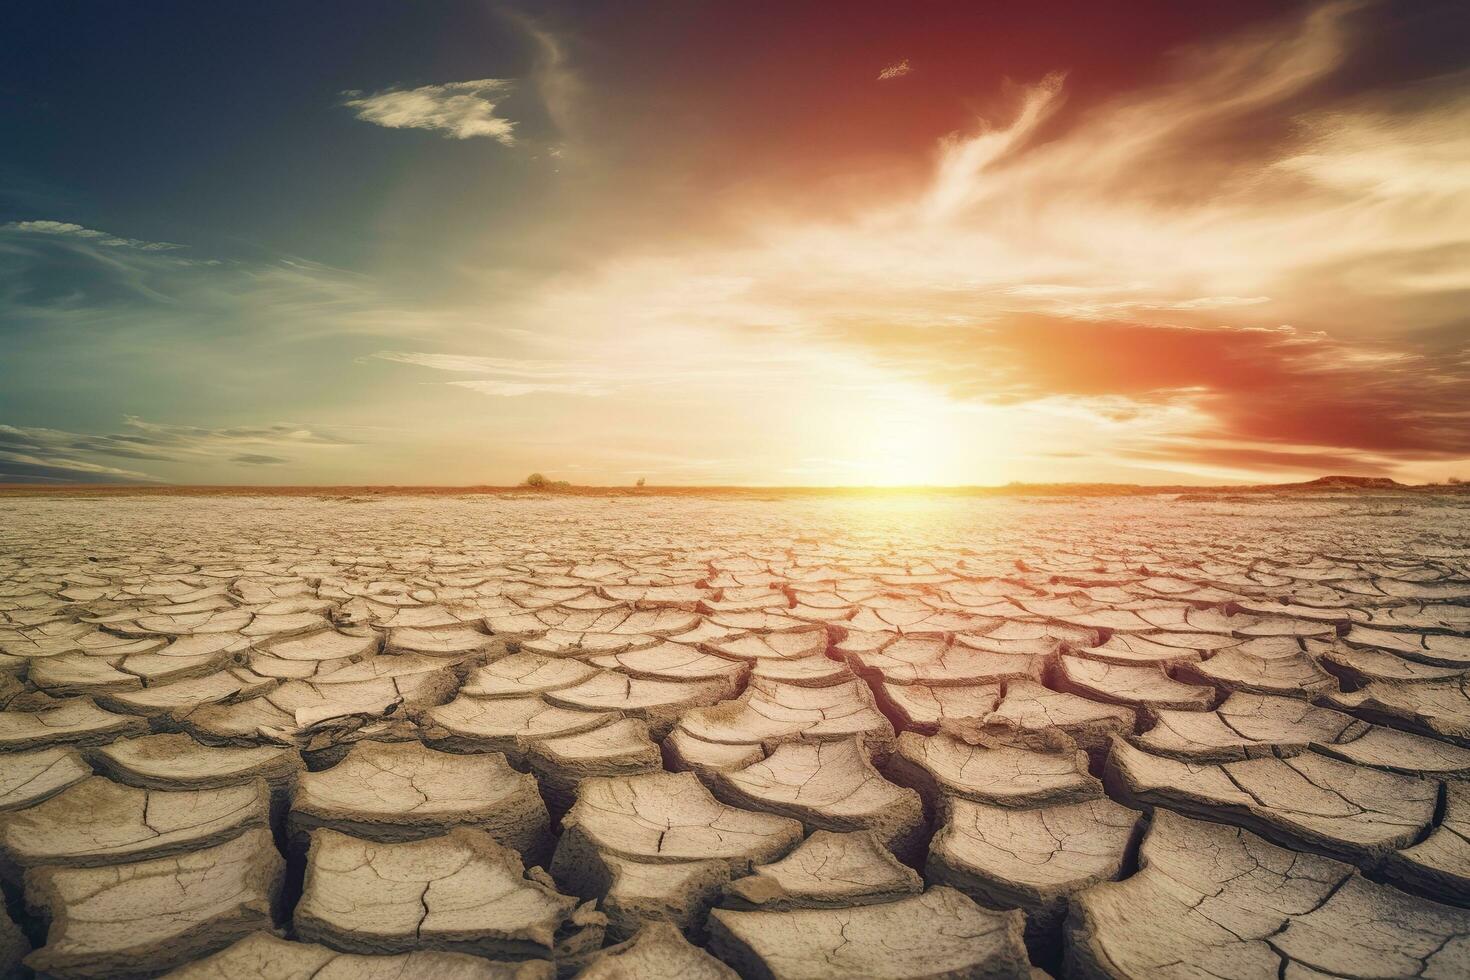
(758, 243)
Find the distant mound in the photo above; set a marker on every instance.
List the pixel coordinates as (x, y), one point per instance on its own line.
(1345, 483)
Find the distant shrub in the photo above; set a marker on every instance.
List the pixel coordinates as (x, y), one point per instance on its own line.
(1454, 481)
(641, 481)
(538, 481)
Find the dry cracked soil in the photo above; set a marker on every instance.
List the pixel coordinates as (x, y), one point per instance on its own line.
(706, 737)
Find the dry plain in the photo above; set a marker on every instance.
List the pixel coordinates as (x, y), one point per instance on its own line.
(707, 736)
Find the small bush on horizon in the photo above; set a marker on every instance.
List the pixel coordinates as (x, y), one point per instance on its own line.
(641, 482)
(538, 481)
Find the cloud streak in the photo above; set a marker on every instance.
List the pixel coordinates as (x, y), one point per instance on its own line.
(42, 455)
(66, 229)
(511, 377)
(60, 277)
(1267, 387)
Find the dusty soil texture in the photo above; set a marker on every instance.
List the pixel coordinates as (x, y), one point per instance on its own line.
(512, 735)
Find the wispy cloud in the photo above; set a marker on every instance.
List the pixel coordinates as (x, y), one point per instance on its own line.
(896, 70)
(460, 110)
(29, 454)
(620, 365)
(62, 277)
(18, 466)
(511, 377)
(67, 229)
(556, 82)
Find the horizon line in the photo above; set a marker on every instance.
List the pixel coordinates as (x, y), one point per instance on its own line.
(1325, 483)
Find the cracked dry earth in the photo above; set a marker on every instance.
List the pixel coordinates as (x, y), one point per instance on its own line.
(506, 737)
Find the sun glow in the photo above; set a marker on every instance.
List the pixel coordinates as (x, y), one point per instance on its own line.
(906, 435)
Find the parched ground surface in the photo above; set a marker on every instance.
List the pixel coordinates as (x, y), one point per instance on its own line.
(685, 737)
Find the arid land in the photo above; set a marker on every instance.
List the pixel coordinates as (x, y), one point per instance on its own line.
(654, 732)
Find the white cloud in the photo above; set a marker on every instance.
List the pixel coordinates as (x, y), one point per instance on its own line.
(896, 70)
(462, 110)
